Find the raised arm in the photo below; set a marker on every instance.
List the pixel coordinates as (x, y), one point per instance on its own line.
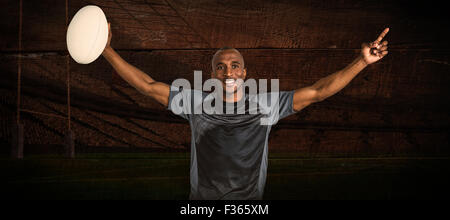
(333, 83)
(135, 77)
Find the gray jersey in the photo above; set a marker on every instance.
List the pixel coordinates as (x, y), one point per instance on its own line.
(229, 151)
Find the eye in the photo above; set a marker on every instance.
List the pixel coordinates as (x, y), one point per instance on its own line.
(234, 66)
(219, 67)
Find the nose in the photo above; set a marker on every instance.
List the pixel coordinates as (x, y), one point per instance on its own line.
(228, 72)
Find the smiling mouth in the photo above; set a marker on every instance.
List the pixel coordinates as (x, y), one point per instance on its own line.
(230, 82)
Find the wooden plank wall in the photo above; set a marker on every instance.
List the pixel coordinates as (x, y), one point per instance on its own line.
(398, 106)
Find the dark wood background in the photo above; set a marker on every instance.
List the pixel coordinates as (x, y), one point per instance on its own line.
(398, 106)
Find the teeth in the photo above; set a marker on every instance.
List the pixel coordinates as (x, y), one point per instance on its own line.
(229, 81)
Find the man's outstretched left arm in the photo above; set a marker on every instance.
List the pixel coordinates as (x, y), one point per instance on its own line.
(331, 84)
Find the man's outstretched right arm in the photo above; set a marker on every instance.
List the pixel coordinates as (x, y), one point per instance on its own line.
(135, 77)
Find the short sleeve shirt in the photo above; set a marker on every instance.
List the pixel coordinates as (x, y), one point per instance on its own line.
(229, 150)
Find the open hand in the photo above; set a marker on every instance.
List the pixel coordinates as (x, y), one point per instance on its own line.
(372, 52)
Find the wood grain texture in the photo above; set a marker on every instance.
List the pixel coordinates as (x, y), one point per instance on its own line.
(398, 106)
(391, 94)
(9, 24)
(193, 24)
(98, 130)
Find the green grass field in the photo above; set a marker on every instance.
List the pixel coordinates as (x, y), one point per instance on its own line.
(166, 176)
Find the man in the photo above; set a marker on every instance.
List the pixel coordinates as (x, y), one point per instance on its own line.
(229, 151)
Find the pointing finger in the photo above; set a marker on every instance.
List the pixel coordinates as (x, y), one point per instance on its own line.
(378, 40)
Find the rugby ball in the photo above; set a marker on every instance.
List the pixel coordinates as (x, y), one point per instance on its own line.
(87, 34)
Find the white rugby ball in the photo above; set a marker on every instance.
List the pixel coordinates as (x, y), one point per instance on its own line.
(87, 34)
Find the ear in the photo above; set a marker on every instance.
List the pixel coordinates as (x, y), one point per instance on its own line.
(245, 72)
(212, 75)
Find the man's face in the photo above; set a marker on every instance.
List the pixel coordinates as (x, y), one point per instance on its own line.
(228, 66)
